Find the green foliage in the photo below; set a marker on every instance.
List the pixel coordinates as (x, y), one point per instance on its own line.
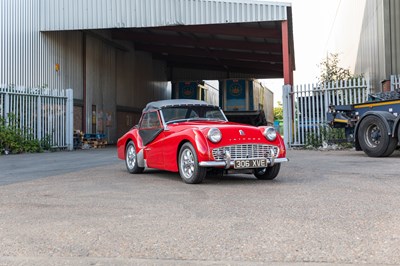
(329, 135)
(15, 140)
(278, 112)
(331, 71)
(45, 142)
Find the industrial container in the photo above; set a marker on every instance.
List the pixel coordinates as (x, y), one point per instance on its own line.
(196, 90)
(246, 101)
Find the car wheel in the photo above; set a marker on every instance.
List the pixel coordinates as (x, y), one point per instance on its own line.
(268, 173)
(189, 168)
(131, 159)
(374, 138)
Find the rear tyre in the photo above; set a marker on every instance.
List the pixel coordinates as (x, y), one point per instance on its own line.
(374, 138)
(131, 161)
(268, 173)
(189, 168)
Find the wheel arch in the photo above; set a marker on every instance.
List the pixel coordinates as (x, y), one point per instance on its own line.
(183, 141)
(385, 117)
(199, 143)
(139, 150)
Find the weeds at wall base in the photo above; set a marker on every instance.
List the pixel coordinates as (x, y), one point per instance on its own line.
(14, 140)
(328, 139)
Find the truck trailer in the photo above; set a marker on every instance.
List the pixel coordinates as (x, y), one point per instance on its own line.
(246, 101)
(373, 125)
(195, 90)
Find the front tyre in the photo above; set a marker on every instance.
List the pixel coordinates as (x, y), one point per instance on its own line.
(268, 173)
(374, 138)
(189, 169)
(131, 161)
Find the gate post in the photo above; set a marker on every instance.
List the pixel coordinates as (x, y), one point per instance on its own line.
(287, 115)
(69, 120)
(39, 118)
(6, 107)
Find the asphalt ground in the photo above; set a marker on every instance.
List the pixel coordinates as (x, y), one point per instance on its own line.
(83, 208)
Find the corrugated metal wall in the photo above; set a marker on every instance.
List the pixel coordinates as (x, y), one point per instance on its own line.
(114, 76)
(394, 19)
(371, 50)
(96, 14)
(28, 57)
(118, 78)
(378, 52)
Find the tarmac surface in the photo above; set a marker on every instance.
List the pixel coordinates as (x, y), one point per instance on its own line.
(83, 208)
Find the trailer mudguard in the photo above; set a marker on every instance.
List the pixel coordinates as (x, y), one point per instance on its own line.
(387, 118)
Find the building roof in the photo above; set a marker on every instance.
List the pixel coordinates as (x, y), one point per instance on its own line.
(80, 15)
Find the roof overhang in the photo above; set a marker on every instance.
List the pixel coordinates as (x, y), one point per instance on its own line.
(247, 37)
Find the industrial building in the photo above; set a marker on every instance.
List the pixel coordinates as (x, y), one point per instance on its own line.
(119, 55)
(366, 35)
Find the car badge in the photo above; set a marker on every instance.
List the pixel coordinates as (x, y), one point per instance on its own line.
(241, 132)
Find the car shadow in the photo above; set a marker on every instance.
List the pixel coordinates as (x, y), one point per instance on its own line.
(229, 179)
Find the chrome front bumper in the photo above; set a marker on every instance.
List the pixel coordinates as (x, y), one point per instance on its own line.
(228, 162)
(227, 165)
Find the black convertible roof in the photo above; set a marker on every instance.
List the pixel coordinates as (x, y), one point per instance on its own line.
(151, 106)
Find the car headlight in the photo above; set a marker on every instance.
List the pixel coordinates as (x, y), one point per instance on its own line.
(270, 133)
(214, 135)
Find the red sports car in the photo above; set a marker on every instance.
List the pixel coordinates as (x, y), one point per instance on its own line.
(193, 137)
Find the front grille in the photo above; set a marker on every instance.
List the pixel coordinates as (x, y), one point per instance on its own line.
(245, 151)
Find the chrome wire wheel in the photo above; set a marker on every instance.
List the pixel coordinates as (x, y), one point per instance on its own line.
(187, 163)
(130, 157)
(189, 168)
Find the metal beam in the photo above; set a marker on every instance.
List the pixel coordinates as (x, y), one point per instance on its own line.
(231, 30)
(199, 42)
(193, 61)
(209, 53)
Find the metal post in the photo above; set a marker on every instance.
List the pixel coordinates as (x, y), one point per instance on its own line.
(6, 107)
(39, 118)
(69, 120)
(287, 111)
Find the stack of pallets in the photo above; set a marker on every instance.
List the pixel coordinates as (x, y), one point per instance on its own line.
(78, 139)
(94, 141)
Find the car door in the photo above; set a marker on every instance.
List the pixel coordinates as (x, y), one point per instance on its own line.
(151, 132)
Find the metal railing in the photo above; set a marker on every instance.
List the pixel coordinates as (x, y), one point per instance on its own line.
(40, 113)
(306, 106)
(394, 82)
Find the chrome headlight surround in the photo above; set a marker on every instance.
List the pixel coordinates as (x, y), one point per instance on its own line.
(214, 135)
(270, 133)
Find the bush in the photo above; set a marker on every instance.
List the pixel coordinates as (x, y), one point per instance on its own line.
(329, 135)
(14, 140)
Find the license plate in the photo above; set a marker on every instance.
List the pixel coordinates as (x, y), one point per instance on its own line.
(251, 163)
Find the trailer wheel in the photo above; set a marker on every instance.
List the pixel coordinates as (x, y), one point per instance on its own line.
(374, 138)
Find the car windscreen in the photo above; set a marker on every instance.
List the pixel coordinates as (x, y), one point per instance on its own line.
(186, 113)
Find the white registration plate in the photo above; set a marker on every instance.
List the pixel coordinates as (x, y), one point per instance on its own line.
(250, 163)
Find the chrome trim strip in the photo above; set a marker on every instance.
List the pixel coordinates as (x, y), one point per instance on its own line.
(228, 159)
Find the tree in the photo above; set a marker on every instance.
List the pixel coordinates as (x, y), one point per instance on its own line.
(278, 112)
(331, 71)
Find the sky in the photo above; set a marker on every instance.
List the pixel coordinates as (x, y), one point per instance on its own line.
(313, 22)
